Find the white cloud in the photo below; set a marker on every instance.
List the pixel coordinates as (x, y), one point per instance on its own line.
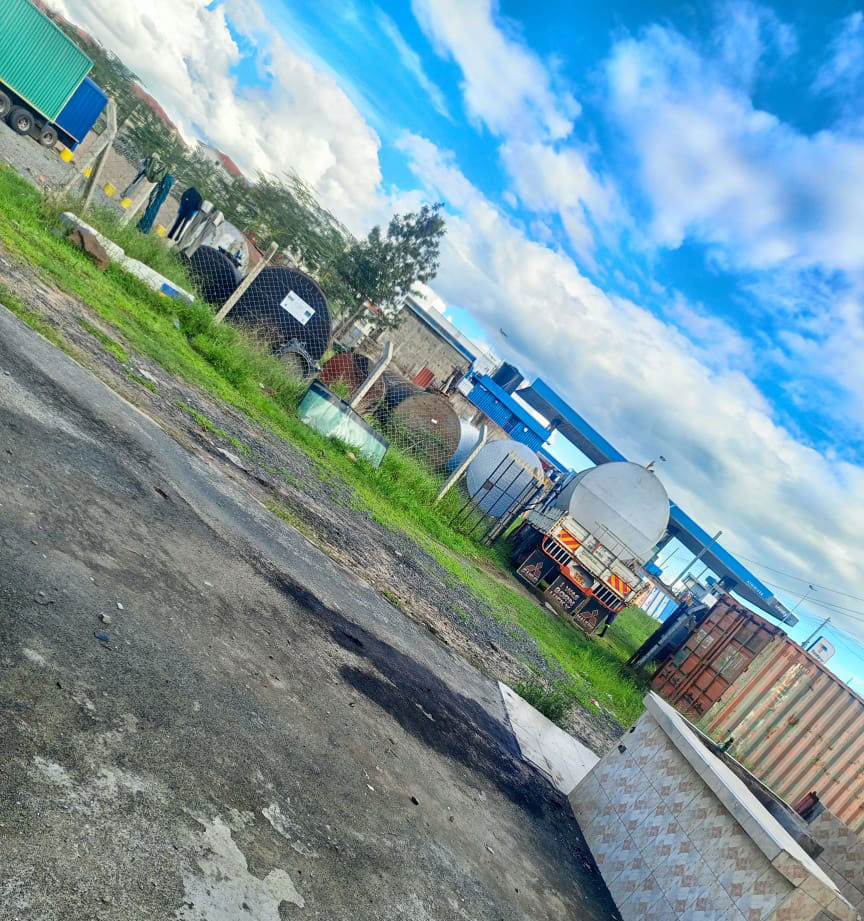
(721, 171)
(303, 121)
(650, 388)
(412, 63)
(506, 86)
(520, 98)
(549, 179)
(842, 73)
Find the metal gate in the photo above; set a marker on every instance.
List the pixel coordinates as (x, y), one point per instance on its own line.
(499, 500)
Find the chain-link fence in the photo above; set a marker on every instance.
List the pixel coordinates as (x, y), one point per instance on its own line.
(281, 307)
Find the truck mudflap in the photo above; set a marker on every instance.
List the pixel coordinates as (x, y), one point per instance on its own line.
(608, 594)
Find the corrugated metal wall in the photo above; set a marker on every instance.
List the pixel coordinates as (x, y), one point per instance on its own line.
(797, 728)
(504, 418)
(38, 61)
(713, 657)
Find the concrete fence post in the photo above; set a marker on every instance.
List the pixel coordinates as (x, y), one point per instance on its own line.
(377, 370)
(96, 175)
(459, 472)
(141, 196)
(243, 286)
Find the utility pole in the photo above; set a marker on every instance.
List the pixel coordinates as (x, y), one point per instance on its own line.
(814, 635)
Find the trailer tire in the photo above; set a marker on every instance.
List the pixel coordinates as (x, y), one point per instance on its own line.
(21, 120)
(47, 135)
(5, 104)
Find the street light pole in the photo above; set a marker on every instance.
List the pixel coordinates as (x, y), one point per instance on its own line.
(698, 557)
(804, 597)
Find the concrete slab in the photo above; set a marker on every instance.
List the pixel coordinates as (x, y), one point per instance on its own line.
(555, 753)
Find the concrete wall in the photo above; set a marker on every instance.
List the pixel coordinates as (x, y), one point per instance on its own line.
(677, 836)
(416, 346)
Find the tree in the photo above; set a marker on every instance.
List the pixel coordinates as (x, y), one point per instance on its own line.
(384, 268)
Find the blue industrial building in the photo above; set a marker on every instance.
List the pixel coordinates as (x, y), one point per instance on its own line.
(508, 414)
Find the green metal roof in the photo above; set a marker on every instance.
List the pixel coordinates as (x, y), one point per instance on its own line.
(38, 61)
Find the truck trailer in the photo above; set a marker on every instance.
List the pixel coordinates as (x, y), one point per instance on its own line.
(584, 548)
(44, 88)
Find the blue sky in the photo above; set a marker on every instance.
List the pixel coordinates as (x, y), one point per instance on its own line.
(361, 43)
(659, 204)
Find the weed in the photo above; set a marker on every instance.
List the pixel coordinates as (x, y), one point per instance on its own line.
(108, 344)
(33, 319)
(553, 703)
(147, 385)
(209, 426)
(393, 598)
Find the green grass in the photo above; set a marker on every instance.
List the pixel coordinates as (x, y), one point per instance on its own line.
(209, 426)
(220, 360)
(32, 318)
(553, 703)
(146, 248)
(108, 344)
(147, 385)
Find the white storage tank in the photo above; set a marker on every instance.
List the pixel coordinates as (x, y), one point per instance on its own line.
(469, 435)
(509, 467)
(618, 500)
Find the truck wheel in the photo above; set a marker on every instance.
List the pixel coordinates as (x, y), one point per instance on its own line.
(21, 120)
(5, 105)
(47, 136)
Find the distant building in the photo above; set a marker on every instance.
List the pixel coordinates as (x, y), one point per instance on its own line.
(428, 349)
(155, 107)
(221, 160)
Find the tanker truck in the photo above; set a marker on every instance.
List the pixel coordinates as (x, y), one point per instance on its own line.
(584, 547)
(44, 88)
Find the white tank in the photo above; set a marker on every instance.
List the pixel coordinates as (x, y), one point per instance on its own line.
(509, 478)
(623, 500)
(469, 435)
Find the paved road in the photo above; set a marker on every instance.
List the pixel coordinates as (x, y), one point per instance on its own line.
(244, 736)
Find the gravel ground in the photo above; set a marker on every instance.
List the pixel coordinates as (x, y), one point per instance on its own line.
(325, 511)
(46, 170)
(205, 718)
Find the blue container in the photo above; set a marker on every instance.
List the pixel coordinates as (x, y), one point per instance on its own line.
(80, 114)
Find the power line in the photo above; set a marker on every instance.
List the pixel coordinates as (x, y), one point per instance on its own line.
(829, 605)
(789, 575)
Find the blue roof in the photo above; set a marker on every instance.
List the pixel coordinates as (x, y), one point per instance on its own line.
(515, 409)
(716, 557)
(572, 426)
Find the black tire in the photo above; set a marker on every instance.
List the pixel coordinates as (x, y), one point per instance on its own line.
(5, 105)
(47, 135)
(21, 120)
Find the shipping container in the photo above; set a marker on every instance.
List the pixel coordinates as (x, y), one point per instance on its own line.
(713, 657)
(38, 62)
(798, 728)
(80, 114)
(791, 722)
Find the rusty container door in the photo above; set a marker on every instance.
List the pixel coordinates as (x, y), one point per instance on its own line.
(713, 657)
(798, 728)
